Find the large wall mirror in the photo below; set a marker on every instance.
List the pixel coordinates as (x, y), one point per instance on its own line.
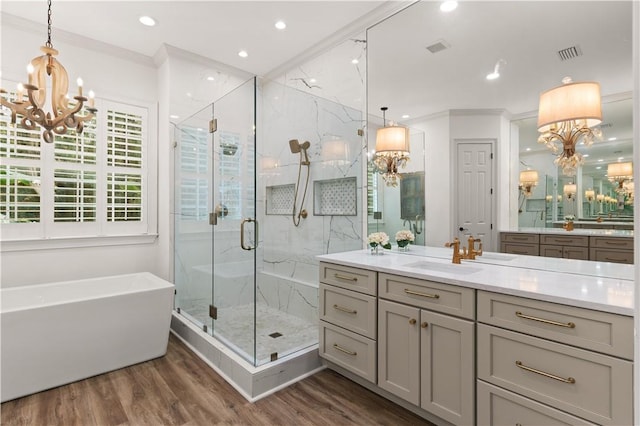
(430, 68)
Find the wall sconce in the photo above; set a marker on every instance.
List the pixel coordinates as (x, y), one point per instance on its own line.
(600, 198)
(392, 150)
(570, 190)
(559, 198)
(620, 172)
(566, 115)
(548, 198)
(528, 180)
(590, 194)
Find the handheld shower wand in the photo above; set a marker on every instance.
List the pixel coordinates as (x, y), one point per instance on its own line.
(296, 148)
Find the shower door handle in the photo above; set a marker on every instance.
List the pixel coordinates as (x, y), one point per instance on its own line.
(255, 222)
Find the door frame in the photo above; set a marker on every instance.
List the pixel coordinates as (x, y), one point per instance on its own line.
(454, 185)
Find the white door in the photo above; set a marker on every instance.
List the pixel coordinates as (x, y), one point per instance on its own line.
(474, 187)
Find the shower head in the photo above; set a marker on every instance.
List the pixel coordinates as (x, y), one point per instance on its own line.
(294, 145)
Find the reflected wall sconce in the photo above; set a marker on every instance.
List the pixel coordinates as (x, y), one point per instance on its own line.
(620, 173)
(549, 198)
(335, 152)
(570, 191)
(528, 180)
(590, 194)
(600, 198)
(567, 115)
(559, 198)
(63, 115)
(392, 150)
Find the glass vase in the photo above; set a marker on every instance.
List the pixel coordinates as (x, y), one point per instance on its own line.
(377, 249)
(403, 245)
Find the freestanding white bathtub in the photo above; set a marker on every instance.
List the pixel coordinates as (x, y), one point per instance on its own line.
(57, 333)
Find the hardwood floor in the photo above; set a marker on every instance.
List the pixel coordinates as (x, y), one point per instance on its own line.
(180, 389)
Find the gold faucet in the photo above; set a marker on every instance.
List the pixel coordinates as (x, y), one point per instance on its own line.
(470, 251)
(456, 250)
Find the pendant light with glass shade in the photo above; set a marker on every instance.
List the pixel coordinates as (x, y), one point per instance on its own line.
(392, 150)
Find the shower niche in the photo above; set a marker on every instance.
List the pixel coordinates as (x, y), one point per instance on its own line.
(335, 197)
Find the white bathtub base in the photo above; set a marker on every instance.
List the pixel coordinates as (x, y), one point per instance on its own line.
(253, 383)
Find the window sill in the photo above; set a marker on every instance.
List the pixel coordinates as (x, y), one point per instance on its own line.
(75, 242)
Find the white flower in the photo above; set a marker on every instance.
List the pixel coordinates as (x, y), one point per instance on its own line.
(569, 217)
(405, 235)
(378, 238)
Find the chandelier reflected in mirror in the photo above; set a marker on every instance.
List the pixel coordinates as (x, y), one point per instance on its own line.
(392, 150)
(567, 115)
(63, 114)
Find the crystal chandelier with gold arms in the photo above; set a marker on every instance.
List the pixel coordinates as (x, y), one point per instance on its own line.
(62, 115)
(392, 150)
(567, 114)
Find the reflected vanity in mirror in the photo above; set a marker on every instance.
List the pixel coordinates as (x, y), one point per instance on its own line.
(432, 68)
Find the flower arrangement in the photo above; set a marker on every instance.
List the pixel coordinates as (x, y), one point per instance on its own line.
(376, 239)
(404, 237)
(569, 218)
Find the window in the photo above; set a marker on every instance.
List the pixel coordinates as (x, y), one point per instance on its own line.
(82, 185)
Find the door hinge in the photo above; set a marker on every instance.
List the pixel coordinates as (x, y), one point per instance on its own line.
(175, 291)
(491, 226)
(491, 191)
(213, 218)
(213, 125)
(213, 312)
(491, 156)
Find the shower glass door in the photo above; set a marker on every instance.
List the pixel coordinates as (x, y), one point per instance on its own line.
(236, 232)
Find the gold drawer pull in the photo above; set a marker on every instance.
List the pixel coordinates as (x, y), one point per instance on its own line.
(347, 310)
(344, 277)
(546, 321)
(415, 293)
(616, 243)
(542, 373)
(424, 324)
(346, 351)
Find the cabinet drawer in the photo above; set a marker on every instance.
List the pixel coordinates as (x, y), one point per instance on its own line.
(517, 237)
(445, 298)
(349, 309)
(497, 406)
(599, 331)
(551, 251)
(611, 255)
(361, 280)
(514, 248)
(593, 386)
(565, 240)
(579, 253)
(612, 243)
(348, 350)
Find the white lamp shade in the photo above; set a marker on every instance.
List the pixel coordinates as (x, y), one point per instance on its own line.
(529, 177)
(570, 189)
(600, 197)
(616, 171)
(335, 150)
(571, 101)
(590, 194)
(392, 138)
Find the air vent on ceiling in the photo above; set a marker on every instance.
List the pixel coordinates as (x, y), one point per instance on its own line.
(570, 53)
(438, 46)
(604, 125)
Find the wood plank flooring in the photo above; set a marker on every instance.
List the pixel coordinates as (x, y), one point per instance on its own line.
(180, 389)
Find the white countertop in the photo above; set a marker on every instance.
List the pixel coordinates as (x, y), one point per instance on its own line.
(559, 283)
(577, 231)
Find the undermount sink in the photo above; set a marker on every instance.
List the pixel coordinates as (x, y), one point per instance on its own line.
(495, 256)
(443, 267)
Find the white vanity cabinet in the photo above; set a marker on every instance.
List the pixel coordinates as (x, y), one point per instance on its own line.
(348, 318)
(424, 356)
(552, 360)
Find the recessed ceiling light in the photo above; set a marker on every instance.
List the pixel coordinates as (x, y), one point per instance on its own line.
(312, 80)
(243, 54)
(600, 160)
(406, 116)
(281, 25)
(448, 6)
(354, 61)
(612, 139)
(493, 75)
(598, 167)
(210, 78)
(174, 116)
(528, 149)
(147, 21)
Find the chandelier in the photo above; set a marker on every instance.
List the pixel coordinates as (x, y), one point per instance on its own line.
(63, 114)
(392, 150)
(567, 115)
(620, 173)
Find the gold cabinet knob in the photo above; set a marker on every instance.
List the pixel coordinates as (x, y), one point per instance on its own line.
(412, 321)
(424, 325)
